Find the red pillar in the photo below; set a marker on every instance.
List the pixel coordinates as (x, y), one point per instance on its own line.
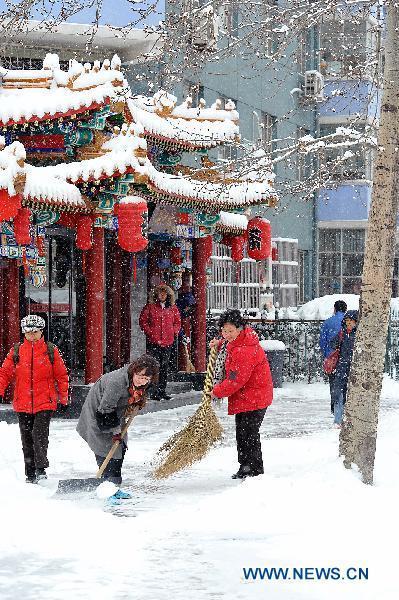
(113, 303)
(2, 345)
(198, 332)
(95, 307)
(11, 304)
(11, 323)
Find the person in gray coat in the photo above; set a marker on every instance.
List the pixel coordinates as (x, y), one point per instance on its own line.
(108, 403)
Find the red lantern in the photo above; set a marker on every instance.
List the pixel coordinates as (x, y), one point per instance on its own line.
(84, 232)
(67, 220)
(132, 224)
(21, 227)
(237, 247)
(9, 205)
(259, 238)
(175, 255)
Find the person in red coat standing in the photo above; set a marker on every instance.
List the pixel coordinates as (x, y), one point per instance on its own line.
(41, 380)
(249, 387)
(160, 320)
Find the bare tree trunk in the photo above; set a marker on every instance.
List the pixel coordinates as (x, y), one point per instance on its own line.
(359, 431)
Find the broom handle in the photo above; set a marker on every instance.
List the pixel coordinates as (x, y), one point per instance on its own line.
(208, 384)
(116, 444)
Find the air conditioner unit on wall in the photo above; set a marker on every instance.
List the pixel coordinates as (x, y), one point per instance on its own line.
(313, 86)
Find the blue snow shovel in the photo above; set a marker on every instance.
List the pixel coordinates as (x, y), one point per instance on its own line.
(66, 486)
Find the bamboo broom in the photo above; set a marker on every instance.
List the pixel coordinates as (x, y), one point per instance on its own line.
(193, 442)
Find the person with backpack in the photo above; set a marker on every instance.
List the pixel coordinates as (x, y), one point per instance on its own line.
(41, 381)
(344, 341)
(328, 331)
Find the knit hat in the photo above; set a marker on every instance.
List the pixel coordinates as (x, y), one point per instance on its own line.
(32, 323)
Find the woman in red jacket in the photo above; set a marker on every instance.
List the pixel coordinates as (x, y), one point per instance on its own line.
(41, 380)
(249, 388)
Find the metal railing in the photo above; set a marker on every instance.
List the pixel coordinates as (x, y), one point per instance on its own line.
(303, 360)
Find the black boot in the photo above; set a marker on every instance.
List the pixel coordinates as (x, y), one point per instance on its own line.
(242, 473)
(41, 474)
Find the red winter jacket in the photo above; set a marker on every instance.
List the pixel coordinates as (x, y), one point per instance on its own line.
(160, 325)
(39, 385)
(248, 384)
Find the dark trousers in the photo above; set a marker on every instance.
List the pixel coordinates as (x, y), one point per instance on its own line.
(113, 470)
(163, 356)
(249, 449)
(34, 431)
(331, 378)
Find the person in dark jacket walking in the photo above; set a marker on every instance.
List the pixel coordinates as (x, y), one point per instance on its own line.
(108, 403)
(345, 341)
(160, 320)
(41, 381)
(249, 388)
(328, 331)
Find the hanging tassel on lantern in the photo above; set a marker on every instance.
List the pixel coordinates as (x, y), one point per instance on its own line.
(84, 264)
(134, 269)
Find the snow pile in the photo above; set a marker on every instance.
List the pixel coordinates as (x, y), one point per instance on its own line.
(322, 308)
(272, 345)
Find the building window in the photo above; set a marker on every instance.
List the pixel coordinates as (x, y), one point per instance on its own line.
(345, 163)
(228, 151)
(27, 64)
(348, 47)
(285, 272)
(340, 265)
(195, 90)
(229, 17)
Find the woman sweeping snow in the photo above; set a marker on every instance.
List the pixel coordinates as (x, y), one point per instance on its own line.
(108, 403)
(248, 386)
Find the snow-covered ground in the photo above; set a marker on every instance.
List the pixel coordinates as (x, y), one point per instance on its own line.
(192, 535)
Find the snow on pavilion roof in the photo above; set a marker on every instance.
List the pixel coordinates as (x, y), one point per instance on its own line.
(49, 93)
(126, 153)
(38, 188)
(191, 128)
(232, 222)
(208, 196)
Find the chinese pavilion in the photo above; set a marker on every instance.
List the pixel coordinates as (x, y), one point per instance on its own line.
(94, 182)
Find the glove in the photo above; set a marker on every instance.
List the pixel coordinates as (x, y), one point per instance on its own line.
(62, 408)
(1, 399)
(117, 437)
